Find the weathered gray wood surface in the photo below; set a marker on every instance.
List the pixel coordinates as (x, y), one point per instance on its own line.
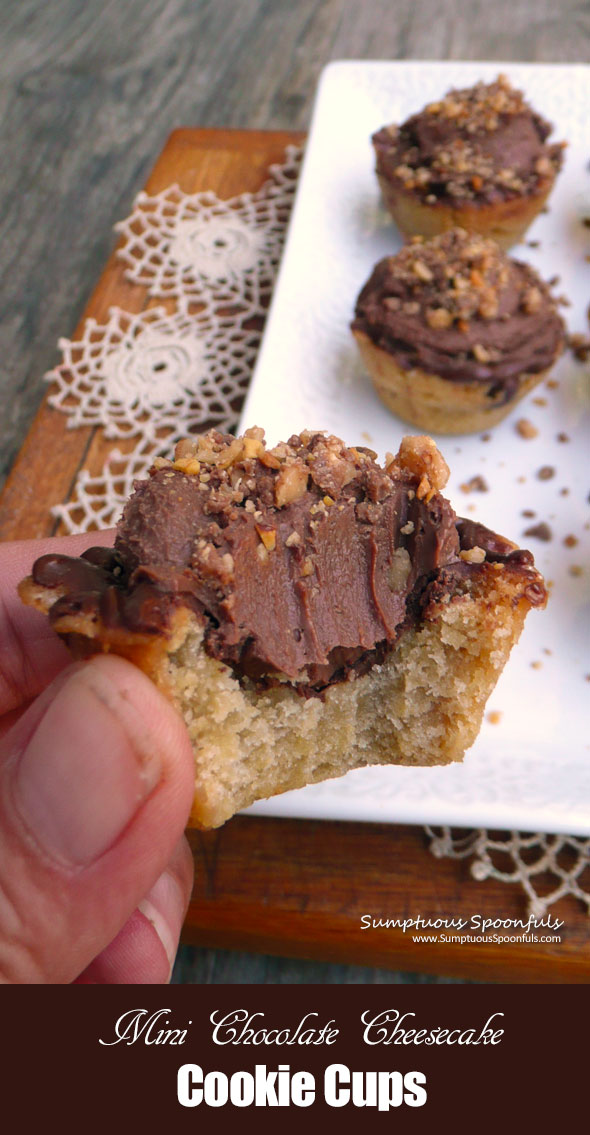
(89, 92)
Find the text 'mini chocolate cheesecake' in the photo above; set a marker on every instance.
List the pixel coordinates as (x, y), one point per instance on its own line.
(306, 609)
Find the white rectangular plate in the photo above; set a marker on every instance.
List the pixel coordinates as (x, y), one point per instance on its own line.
(531, 770)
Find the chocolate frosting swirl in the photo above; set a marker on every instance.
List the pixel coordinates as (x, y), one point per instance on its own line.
(481, 144)
(306, 589)
(457, 307)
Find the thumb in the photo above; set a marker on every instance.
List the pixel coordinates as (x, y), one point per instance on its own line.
(96, 783)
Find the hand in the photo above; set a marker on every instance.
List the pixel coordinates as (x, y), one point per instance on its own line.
(96, 783)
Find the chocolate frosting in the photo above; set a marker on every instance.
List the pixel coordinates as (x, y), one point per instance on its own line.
(305, 589)
(473, 315)
(480, 144)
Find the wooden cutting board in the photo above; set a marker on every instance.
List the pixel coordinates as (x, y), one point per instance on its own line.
(290, 887)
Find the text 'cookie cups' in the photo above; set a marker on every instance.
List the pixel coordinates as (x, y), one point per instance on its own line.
(454, 333)
(477, 159)
(307, 610)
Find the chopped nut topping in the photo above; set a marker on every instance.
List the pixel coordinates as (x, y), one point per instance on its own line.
(256, 432)
(473, 555)
(488, 308)
(185, 448)
(420, 456)
(293, 540)
(407, 528)
(532, 300)
(544, 166)
(422, 271)
(526, 429)
(424, 490)
(291, 484)
(268, 536)
(187, 465)
(438, 317)
(400, 569)
(481, 354)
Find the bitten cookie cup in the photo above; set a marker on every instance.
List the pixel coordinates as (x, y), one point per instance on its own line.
(307, 610)
(477, 159)
(454, 333)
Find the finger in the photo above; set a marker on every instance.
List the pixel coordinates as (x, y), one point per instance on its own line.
(96, 784)
(144, 951)
(31, 654)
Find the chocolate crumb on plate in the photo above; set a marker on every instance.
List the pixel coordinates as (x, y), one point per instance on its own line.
(579, 345)
(570, 541)
(539, 531)
(545, 473)
(475, 484)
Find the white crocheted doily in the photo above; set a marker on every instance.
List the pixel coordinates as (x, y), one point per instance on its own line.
(154, 377)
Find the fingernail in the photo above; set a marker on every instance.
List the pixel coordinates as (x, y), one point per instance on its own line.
(164, 907)
(88, 767)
